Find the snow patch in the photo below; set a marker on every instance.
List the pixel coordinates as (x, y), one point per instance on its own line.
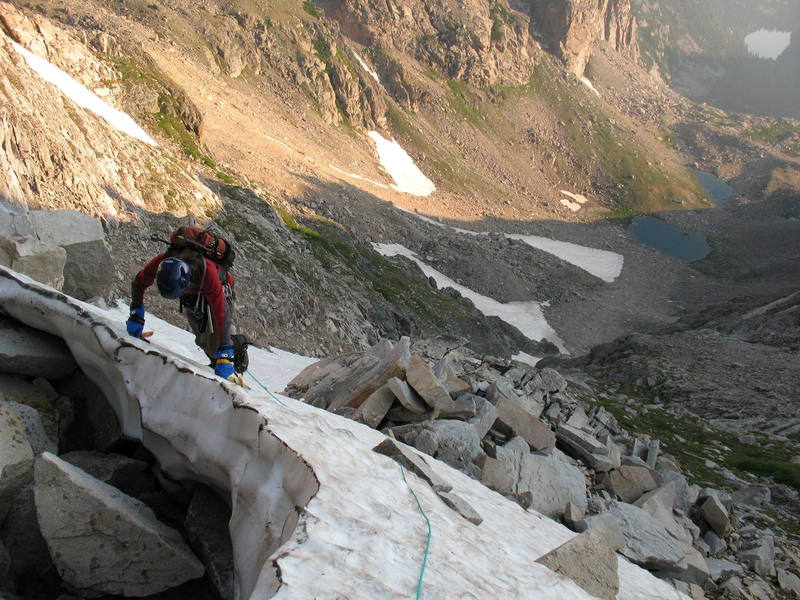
(400, 166)
(579, 198)
(525, 316)
(82, 96)
(768, 43)
(603, 264)
(589, 85)
(364, 66)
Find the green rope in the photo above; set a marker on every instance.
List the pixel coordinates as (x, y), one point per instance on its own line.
(428, 542)
(274, 397)
(416, 499)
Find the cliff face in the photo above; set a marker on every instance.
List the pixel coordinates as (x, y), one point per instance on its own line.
(571, 27)
(485, 43)
(473, 41)
(313, 57)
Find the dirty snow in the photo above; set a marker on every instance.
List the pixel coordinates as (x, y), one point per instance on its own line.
(82, 96)
(287, 463)
(400, 166)
(525, 316)
(526, 358)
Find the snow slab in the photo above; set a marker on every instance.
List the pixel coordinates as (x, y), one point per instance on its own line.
(400, 166)
(82, 96)
(525, 316)
(316, 513)
(603, 264)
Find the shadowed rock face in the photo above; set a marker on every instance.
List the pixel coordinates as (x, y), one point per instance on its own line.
(571, 27)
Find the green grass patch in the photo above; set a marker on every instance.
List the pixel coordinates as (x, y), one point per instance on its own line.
(168, 116)
(313, 9)
(323, 50)
(225, 178)
(172, 127)
(692, 443)
(333, 249)
(462, 101)
(772, 134)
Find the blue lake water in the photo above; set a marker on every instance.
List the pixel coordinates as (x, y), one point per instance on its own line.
(664, 237)
(717, 190)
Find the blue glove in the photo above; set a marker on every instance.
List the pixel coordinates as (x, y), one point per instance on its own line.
(224, 365)
(135, 323)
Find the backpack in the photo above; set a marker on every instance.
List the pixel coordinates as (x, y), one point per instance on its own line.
(206, 243)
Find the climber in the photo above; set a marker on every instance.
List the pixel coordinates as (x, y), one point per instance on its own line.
(205, 290)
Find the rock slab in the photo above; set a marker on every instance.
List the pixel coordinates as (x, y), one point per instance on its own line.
(102, 541)
(30, 352)
(589, 561)
(16, 458)
(647, 542)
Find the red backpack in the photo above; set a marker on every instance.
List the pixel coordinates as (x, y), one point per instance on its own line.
(205, 242)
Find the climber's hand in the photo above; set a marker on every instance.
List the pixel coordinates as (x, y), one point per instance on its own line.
(135, 323)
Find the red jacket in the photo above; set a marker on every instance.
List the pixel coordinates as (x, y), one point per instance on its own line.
(208, 286)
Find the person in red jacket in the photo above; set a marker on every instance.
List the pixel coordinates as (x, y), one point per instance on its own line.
(205, 291)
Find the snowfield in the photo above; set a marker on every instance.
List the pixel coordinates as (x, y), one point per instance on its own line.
(400, 166)
(603, 264)
(82, 96)
(525, 316)
(316, 513)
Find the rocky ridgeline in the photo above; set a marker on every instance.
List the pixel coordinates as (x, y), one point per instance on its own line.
(85, 512)
(523, 432)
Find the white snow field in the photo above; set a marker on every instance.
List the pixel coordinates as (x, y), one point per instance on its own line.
(400, 166)
(768, 43)
(525, 316)
(603, 264)
(82, 96)
(316, 513)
